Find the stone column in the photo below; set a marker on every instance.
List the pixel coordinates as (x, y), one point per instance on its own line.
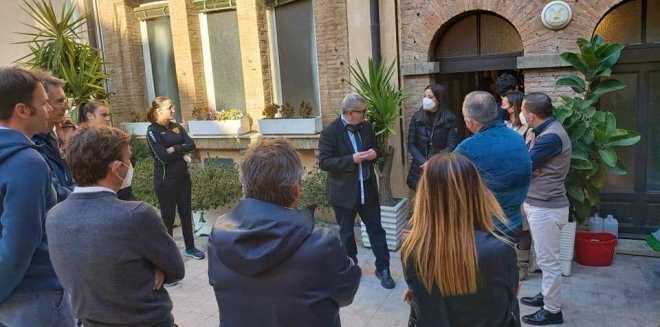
(188, 58)
(253, 37)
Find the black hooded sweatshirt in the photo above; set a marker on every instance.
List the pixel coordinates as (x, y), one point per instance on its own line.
(269, 267)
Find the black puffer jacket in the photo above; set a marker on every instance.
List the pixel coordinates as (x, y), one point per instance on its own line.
(429, 134)
(270, 268)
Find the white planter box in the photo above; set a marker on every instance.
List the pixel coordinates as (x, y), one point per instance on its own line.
(286, 126)
(567, 247)
(218, 127)
(137, 129)
(394, 220)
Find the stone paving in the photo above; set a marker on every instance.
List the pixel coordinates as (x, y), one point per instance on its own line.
(624, 294)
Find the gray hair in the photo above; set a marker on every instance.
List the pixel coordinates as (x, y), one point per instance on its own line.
(351, 102)
(270, 170)
(49, 81)
(481, 107)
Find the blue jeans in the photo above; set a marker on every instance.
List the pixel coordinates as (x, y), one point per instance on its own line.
(36, 309)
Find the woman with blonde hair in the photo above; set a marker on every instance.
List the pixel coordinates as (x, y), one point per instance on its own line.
(459, 271)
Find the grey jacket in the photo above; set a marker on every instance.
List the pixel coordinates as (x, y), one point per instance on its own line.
(547, 189)
(105, 250)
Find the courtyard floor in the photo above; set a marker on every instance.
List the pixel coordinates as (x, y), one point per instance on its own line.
(624, 294)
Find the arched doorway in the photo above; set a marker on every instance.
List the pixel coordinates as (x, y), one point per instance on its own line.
(635, 198)
(472, 50)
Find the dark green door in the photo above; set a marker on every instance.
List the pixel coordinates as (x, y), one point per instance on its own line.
(634, 199)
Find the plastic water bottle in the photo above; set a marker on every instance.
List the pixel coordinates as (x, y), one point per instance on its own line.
(611, 225)
(597, 224)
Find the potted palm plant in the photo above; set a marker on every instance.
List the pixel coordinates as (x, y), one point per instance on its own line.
(383, 106)
(55, 47)
(285, 120)
(594, 134)
(225, 122)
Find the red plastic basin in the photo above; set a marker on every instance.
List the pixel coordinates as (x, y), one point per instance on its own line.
(594, 249)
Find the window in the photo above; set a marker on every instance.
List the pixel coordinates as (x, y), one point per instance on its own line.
(293, 54)
(222, 60)
(632, 22)
(159, 64)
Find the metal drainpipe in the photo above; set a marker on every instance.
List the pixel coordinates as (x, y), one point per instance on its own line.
(375, 30)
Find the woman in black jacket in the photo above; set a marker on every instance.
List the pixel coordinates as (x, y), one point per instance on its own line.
(460, 273)
(96, 113)
(170, 144)
(432, 130)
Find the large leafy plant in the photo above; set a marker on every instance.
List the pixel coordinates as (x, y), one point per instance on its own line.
(56, 46)
(383, 103)
(593, 132)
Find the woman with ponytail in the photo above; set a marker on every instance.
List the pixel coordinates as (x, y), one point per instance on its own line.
(93, 113)
(170, 145)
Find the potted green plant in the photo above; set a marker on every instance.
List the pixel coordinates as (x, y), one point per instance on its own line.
(289, 121)
(315, 195)
(55, 47)
(225, 122)
(214, 185)
(383, 106)
(594, 134)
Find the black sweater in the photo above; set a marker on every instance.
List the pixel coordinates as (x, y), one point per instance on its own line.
(169, 165)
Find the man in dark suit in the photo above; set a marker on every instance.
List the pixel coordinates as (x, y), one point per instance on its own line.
(348, 152)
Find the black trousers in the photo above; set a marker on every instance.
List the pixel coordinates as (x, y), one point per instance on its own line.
(173, 194)
(370, 215)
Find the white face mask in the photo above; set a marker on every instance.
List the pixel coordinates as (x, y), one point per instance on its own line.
(523, 120)
(427, 104)
(128, 179)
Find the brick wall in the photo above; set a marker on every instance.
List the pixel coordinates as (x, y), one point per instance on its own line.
(123, 56)
(544, 80)
(421, 19)
(264, 49)
(254, 55)
(333, 56)
(187, 44)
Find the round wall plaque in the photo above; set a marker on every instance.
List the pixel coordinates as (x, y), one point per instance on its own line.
(556, 15)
